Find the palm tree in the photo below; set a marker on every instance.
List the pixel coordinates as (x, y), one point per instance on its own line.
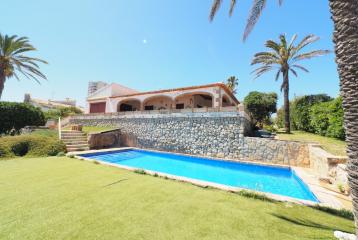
(345, 37)
(283, 57)
(232, 83)
(12, 60)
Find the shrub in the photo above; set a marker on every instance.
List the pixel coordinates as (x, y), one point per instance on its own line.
(140, 171)
(18, 115)
(319, 121)
(62, 112)
(300, 110)
(28, 145)
(327, 119)
(336, 118)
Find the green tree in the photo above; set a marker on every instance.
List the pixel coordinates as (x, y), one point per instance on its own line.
(232, 83)
(261, 106)
(345, 38)
(283, 58)
(13, 60)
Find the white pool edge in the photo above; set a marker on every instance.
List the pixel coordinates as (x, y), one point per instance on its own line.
(325, 197)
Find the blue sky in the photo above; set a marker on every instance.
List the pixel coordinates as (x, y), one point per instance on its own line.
(158, 44)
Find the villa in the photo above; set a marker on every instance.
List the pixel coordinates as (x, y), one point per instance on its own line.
(117, 98)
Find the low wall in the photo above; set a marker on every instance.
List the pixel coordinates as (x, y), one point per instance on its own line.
(215, 134)
(106, 139)
(324, 163)
(274, 151)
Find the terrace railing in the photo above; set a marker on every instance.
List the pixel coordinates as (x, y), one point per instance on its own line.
(239, 109)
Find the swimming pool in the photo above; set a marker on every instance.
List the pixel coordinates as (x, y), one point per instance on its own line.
(276, 180)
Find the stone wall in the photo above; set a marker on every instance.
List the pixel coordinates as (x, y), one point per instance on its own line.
(106, 139)
(324, 163)
(214, 134)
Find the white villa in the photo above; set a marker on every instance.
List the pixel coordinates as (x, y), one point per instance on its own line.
(117, 98)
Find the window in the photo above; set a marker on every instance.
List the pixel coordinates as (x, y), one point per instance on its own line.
(180, 106)
(149, 108)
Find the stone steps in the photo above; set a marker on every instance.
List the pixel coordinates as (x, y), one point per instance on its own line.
(75, 140)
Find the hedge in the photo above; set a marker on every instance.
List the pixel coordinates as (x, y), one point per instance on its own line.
(29, 145)
(327, 119)
(300, 110)
(18, 115)
(316, 115)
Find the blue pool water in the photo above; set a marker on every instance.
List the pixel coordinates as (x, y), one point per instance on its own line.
(277, 180)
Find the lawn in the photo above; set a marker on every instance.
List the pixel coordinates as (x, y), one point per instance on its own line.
(93, 129)
(332, 145)
(65, 198)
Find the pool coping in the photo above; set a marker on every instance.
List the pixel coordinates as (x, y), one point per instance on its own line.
(325, 197)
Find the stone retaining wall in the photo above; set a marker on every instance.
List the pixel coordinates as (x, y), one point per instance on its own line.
(324, 163)
(215, 134)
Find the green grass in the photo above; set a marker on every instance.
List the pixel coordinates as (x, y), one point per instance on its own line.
(46, 133)
(93, 129)
(65, 198)
(332, 145)
(88, 129)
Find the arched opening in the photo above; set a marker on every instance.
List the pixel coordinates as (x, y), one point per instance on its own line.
(194, 100)
(226, 102)
(128, 105)
(158, 103)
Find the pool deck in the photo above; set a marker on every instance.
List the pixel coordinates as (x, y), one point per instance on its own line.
(325, 197)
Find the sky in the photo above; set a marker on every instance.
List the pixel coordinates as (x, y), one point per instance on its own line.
(159, 44)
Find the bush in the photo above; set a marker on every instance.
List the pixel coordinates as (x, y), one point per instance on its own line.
(62, 112)
(327, 119)
(300, 110)
(18, 115)
(28, 145)
(319, 121)
(336, 119)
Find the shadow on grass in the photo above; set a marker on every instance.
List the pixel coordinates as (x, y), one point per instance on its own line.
(308, 223)
(343, 213)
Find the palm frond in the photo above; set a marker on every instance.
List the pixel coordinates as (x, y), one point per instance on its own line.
(301, 68)
(294, 72)
(264, 60)
(304, 42)
(261, 70)
(316, 53)
(254, 16)
(273, 45)
(232, 6)
(12, 59)
(278, 75)
(290, 45)
(214, 8)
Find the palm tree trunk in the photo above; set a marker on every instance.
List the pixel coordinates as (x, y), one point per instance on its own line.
(345, 18)
(2, 81)
(286, 104)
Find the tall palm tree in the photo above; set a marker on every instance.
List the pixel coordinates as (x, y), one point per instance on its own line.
(12, 60)
(345, 38)
(232, 83)
(283, 58)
